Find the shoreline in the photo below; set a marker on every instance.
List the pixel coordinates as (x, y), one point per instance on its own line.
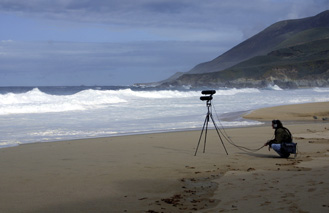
(159, 173)
(142, 133)
(246, 115)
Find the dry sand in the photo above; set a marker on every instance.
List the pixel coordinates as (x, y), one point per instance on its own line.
(296, 112)
(159, 172)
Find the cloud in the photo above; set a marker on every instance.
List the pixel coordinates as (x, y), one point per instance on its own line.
(69, 63)
(115, 42)
(174, 15)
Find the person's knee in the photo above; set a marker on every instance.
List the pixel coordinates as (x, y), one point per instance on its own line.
(276, 147)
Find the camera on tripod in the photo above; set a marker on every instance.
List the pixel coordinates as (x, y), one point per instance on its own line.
(208, 94)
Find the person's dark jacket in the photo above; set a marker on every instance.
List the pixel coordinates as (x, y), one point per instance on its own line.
(281, 135)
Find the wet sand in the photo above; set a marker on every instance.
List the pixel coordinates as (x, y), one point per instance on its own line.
(159, 172)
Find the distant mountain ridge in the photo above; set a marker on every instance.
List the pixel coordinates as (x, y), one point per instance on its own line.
(269, 57)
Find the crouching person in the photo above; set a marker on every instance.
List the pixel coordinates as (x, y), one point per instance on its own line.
(282, 142)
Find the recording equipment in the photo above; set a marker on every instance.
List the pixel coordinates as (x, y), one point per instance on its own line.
(208, 97)
(276, 123)
(208, 92)
(221, 134)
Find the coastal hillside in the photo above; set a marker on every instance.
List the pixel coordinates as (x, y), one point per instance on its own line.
(291, 54)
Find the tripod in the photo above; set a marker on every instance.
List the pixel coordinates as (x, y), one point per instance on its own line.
(205, 124)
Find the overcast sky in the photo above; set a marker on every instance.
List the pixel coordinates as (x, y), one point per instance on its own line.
(122, 42)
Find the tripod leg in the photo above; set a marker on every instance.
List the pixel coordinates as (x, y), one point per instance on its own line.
(218, 133)
(206, 120)
(205, 136)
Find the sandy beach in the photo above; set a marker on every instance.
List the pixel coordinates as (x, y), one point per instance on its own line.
(159, 172)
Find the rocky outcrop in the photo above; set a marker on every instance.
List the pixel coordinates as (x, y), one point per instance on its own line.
(248, 83)
(282, 77)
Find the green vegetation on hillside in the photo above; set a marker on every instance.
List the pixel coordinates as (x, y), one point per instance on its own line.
(305, 36)
(296, 61)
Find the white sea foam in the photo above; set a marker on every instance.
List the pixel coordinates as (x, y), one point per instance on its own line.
(64, 133)
(35, 101)
(235, 91)
(128, 94)
(273, 87)
(317, 89)
(9, 143)
(38, 116)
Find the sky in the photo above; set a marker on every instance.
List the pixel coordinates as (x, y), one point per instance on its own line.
(123, 42)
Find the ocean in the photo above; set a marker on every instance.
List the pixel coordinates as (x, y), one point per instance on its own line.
(44, 114)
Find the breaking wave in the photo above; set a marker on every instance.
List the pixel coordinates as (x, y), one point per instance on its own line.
(36, 101)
